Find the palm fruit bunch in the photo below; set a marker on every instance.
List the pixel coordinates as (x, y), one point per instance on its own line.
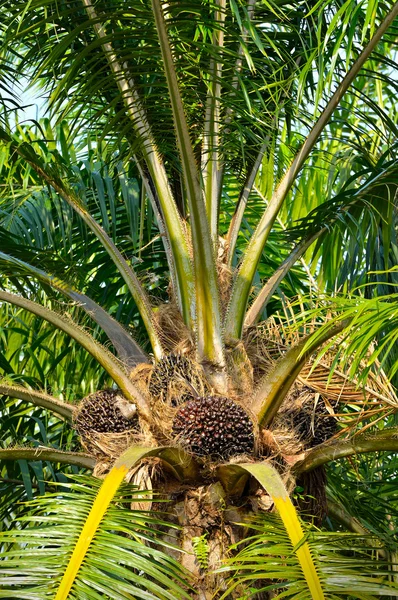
(174, 368)
(101, 412)
(313, 423)
(214, 426)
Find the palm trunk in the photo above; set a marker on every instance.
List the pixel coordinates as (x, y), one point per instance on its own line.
(208, 528)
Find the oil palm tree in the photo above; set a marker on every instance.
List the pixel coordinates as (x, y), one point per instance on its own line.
(188, 185)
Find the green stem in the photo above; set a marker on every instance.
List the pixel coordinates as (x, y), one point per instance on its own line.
(128, 350)
(142, 220)
(270, 286)
(239, 61)
(41, 453)
(157, 209)
(38, 398)
(211, 163)
(229, 113)
(273, 389)
(382, 441)
(243, 283)
(175, 230)
(101, 354)
(134, 285)
(236, 220)
(210, 345)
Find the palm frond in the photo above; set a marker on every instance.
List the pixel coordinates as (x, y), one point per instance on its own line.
(50, 176)
(339, 557)
(364, 485)
(208, 318)
(101, 354)
(128, 350)
(39, 399)
(385, 440)
(274, 387)
(35, 354)
(41, 229)
(42, 453)
(270, 480)
(121, 551)
(370, 337)
(243, 281)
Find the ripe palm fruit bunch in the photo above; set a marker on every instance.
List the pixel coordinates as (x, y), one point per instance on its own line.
(214, 426)
(173, 369)
(105, 411)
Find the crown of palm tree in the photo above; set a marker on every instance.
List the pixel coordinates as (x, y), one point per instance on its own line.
(190, 182)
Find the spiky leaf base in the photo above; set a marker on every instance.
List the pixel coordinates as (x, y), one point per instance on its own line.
(214, 426)
(100, 413)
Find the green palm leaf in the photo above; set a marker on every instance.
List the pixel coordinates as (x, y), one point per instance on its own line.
(35, 557)
(105, 358)
(339, 558)
(129, 352)
(51, 177)
(369, 319)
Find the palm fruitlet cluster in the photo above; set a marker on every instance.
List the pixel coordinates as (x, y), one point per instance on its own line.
(100, 412)
(214, 426)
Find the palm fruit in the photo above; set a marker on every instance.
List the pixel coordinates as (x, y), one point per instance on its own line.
(214, 426)
(314, 423)
(101, 412)
(173, 368)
